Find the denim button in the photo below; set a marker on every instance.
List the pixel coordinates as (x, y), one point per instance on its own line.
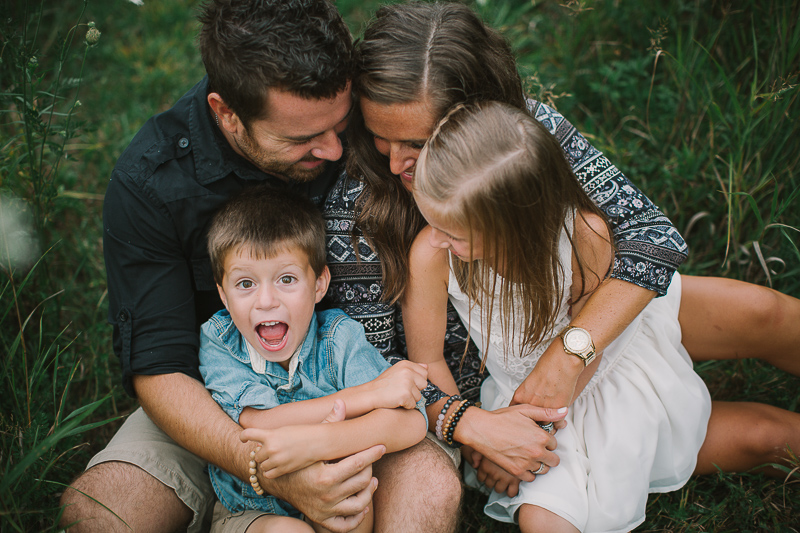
(183, 142)
(123, 316)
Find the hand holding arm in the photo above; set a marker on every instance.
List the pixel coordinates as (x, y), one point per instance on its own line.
(511, 438)
(334, 495)
(295, 447)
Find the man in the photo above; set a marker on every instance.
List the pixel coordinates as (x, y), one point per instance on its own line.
(271, 109)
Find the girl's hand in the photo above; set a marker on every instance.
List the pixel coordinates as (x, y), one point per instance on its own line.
(552, 381)
(497, 479)
(400, 385)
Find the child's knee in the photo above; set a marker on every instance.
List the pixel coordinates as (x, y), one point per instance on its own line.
(279, 524)
(535, 519)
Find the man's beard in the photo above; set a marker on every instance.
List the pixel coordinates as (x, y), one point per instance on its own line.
(270, 165)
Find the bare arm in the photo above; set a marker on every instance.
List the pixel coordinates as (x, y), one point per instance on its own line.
(331, 494)
(425, 315)
(398, 386)
(295, 447)
(559, 377)
(510, 437)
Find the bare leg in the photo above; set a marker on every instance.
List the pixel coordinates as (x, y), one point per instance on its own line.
(278, 524)
(728, 319)
(139, 499)
(419, 491)
(745, 435)
(533, 518)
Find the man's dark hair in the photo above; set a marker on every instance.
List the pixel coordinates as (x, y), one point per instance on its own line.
(250, 46)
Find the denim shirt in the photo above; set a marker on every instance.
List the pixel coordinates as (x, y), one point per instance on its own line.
(334, 355)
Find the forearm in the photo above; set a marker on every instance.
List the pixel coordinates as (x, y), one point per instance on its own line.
(357, 402)
(377, 427)
(559, 377)
(183, 408)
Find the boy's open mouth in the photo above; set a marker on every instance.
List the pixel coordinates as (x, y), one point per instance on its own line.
(272, 334)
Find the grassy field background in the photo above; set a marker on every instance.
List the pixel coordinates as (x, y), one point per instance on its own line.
(697, 102)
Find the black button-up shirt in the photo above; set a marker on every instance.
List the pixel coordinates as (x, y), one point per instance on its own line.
(164, 189)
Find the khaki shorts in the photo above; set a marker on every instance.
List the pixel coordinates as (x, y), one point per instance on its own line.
(140, 442)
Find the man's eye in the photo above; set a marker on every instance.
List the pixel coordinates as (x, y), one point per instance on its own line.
(417, 146)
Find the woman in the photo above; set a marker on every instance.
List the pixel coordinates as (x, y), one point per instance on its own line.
(417, 61)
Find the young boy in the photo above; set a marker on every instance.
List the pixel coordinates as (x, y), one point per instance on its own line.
(269, 349)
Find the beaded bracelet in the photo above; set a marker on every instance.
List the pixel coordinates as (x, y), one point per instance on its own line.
(253, 478)
(443, 413)
(453, 421)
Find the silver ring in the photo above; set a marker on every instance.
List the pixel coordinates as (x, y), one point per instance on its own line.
(548, 427)
(539, 470)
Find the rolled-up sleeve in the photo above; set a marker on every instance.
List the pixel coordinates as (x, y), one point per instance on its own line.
(151, 298)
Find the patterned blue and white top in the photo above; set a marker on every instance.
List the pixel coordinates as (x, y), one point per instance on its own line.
(649, 251)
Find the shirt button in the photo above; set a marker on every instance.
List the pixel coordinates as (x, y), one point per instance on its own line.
(183, 142)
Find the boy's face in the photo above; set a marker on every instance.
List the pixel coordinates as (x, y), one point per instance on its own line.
(271, 300)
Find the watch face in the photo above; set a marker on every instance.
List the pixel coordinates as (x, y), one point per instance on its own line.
(577, 340)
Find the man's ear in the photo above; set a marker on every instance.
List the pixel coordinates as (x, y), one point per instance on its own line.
(222, 296)
(226, 116)
(323, 281)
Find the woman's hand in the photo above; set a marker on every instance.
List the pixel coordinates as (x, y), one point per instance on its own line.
(511, 437)
(552, 381)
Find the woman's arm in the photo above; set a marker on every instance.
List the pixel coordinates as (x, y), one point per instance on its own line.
(295, 447)
(608, 308)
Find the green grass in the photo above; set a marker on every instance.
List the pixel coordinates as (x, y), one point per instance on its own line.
(697, 102)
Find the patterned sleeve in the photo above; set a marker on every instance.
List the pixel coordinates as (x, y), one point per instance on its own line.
(649, 248)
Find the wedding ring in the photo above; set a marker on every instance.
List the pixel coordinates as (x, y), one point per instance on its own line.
(548, 427)
(539, 470)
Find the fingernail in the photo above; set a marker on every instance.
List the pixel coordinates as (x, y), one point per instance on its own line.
(562, 410)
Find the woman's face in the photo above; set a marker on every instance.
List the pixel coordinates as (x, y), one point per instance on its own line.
(400, 132)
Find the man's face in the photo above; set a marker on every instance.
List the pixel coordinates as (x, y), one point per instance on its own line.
(297, 137)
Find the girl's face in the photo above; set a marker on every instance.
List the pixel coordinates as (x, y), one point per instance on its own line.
(400, 132)
(445, 235)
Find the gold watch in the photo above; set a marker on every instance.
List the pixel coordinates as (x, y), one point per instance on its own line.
(578, 342)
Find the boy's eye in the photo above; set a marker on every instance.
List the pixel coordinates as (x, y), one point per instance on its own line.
(286, 280)
(246, 284)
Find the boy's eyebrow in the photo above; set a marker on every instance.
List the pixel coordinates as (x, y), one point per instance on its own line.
(306, 138)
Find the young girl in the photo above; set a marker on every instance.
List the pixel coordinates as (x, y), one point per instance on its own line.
(518, 247)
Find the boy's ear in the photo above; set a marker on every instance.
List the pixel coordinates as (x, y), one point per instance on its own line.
(222, 296)
(323, 281)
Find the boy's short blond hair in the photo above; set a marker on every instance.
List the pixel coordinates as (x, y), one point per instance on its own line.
(266, 221)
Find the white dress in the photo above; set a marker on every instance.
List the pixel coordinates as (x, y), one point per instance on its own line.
(636, 428)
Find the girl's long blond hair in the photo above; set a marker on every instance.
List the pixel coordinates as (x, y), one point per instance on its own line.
(494, 169)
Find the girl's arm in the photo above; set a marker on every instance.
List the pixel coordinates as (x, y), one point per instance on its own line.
(510, 437)
(425, 315)
(295, 447)
(397, 386)
(559, 377)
